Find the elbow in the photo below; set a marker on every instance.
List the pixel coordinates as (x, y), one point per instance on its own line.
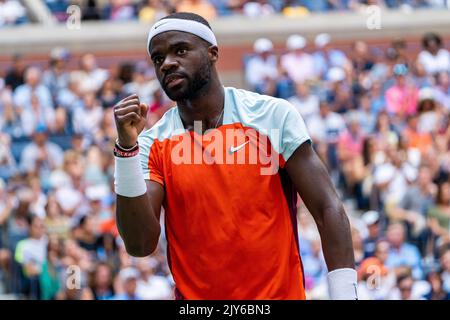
(140, 251)
(143, 248)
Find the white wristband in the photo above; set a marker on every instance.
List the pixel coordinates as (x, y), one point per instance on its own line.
(342, 284)
(128, 178)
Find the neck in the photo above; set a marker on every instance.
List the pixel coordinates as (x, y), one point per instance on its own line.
(206, 107)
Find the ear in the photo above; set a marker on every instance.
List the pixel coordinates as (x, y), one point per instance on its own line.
(213, 53)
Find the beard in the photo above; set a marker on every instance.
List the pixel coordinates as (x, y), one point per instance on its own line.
(195, 86)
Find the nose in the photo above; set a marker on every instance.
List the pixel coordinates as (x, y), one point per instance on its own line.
(169, 64)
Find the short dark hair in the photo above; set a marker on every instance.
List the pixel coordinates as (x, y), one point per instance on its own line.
(188, 16)
(431, 36)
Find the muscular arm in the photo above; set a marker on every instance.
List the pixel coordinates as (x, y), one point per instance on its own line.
(138, 220)
(137, 210)
(314, 185)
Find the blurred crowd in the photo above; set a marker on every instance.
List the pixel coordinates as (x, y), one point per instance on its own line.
(379, 120)
(57, 208)
(13, 12)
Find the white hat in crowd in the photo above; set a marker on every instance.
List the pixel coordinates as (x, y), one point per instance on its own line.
(370, 217)
(97, 192)
(336, 74)
(68, 198)
(262, 45)
(426, 93)
(322, 40)
(295, 42)
(129, 273)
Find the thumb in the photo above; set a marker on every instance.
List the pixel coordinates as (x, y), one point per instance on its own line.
(143, 109)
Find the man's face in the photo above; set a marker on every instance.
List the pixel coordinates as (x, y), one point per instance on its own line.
(405, 288)
(33, 77)
(183, 64)
(40, 138)
(37, 229)
(130, 286)
(382, 251)
(396, 235)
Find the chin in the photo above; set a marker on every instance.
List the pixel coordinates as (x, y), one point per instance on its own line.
(176, 95)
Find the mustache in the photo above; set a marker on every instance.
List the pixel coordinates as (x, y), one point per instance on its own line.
(173, 74)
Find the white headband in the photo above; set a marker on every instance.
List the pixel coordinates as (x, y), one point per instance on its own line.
(190, 26)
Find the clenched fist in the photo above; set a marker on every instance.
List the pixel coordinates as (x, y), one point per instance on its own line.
(130, 115)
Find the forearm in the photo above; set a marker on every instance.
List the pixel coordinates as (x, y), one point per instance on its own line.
(138, 224)
(335, 233)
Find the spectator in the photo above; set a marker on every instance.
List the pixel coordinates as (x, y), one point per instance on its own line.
(151, 286)
(8, 166)
(90, 76)
(55, 222)
(257, 8)
(415, 139)
(91, 11)
(305, 102)
(364, 115)
(339, 93)
(51, 271)
(371, 220)
(6, 209)
(430, 119)
(70, 97)
(11, 12)
(261, 70)
(201, 7)
(375, 279)
(87, 117)
(41, 156)
(358, 246)
(119, 10)
(414, 206)
(437, 291)
(442, 90)
(85, 234)
(314, 264)
(327, 128)
(142, 85)
(31, 253)
(434, 58)
(406, 288)
(36, 116)
(101, 283)
(298, 64)
(56, 78)
(445, 265)
(35, 98)
(363, 59)
(402, 253)
(401, 98)
(153, 10)
(439, 214)
(327, 57)
(128, 278)
(15, 75)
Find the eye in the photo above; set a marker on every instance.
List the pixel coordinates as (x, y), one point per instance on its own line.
(157, 60)
(181, 51)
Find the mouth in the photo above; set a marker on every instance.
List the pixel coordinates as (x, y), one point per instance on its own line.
(173, 80)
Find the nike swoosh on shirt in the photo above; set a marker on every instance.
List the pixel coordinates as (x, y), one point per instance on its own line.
(233, 149)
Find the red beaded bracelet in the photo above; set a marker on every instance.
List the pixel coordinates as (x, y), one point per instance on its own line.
(121, 152)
